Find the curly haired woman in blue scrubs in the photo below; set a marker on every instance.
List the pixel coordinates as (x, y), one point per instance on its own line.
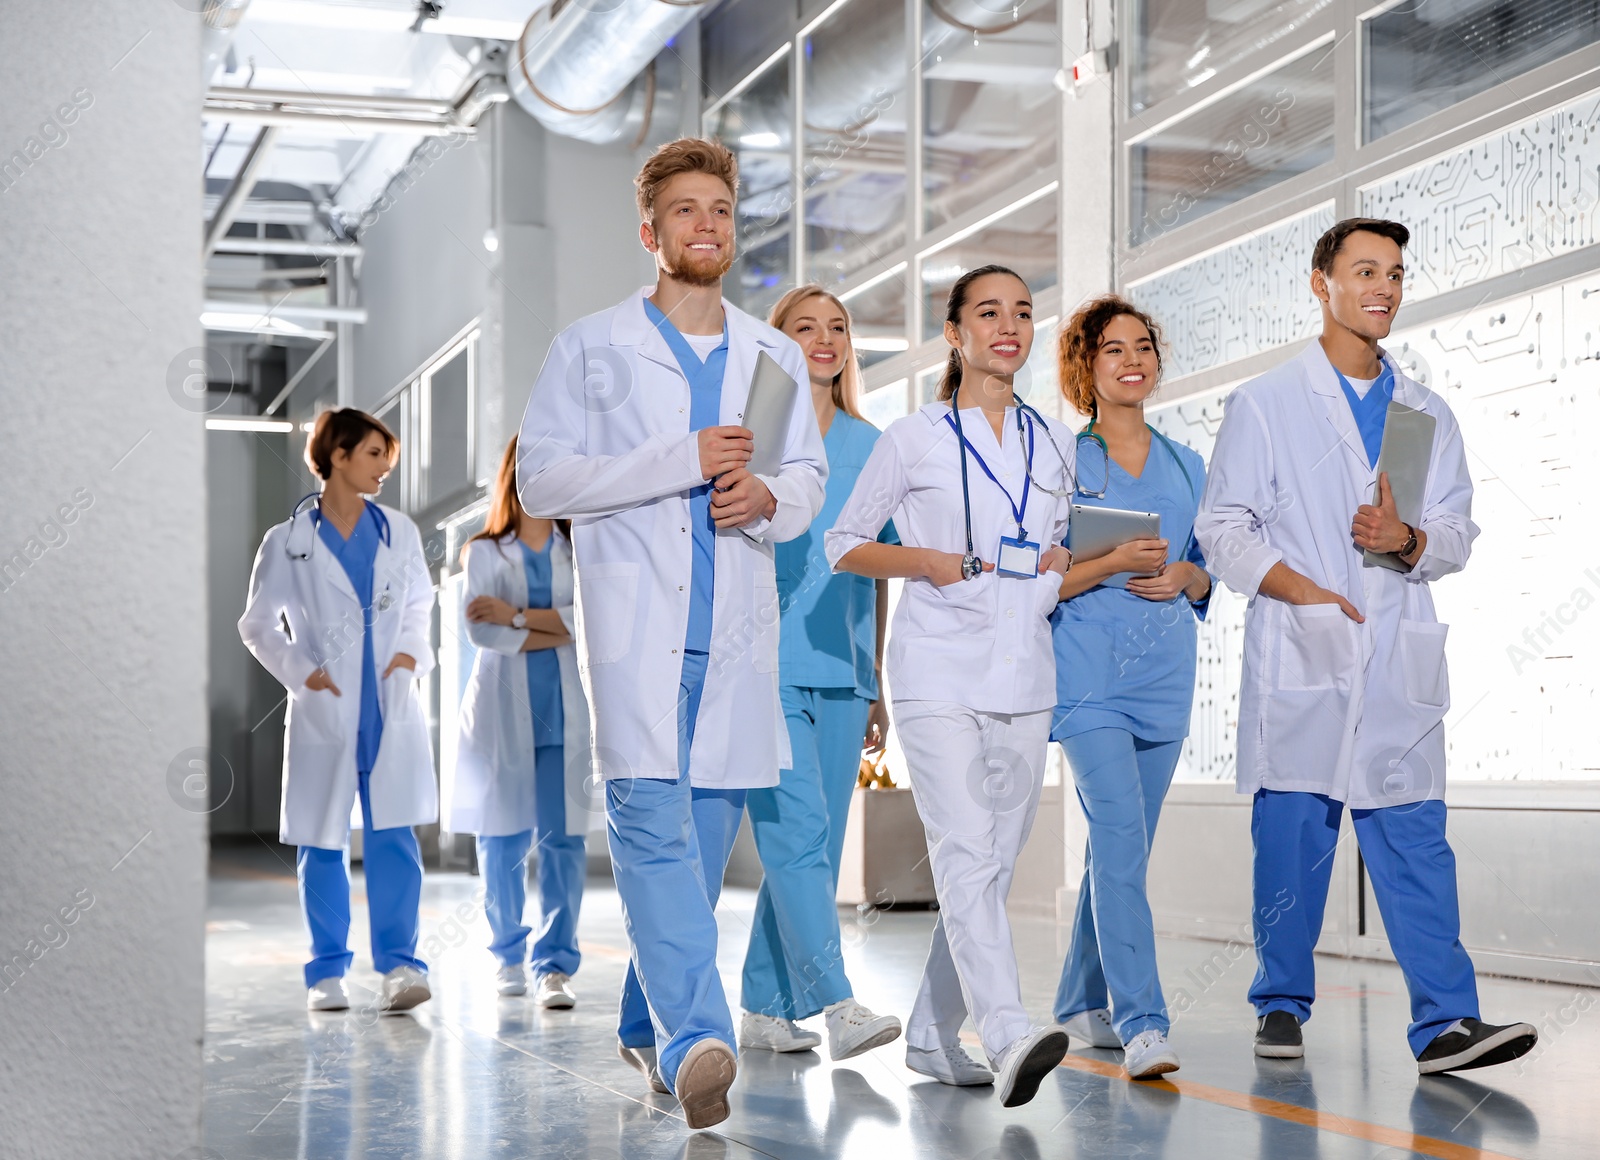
(1125, 664)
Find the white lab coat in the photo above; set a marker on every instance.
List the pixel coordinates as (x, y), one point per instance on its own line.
(1326, 705)
(606, 443)
(493, 788)
(984, 643)
(298, 581)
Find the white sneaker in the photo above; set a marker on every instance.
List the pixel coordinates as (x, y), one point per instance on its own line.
(951, 1065)
(772, 1034)
(1094, 1028)
(553, 992)
(1148, 1054)
(643, 1060)
(704, 1077)
(511, 980)
(403, 988)
(1026, 1061)
(327, 995)
(852, 1029)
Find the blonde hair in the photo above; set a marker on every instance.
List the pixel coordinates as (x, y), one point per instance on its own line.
(847, 383)
(1080, 343)
(685, 155)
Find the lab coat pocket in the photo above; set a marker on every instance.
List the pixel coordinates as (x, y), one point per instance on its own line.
(608, 607)
(1316, 648)
(1422, 663)
(315, 713)
(764, 645)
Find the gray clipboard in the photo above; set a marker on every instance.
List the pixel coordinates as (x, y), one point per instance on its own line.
(1406, 454)
(767, 410)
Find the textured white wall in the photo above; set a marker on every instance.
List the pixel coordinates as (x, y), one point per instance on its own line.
(102, 570)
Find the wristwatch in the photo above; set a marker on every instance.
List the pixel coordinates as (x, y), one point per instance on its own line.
(1411, 543)
(520, 621)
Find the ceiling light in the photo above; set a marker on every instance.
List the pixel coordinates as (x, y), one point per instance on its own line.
(761, 140)
(281, 426)
(880, 342)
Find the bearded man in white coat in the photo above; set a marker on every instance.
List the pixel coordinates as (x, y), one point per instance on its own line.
(1344, 688)
(633, 431)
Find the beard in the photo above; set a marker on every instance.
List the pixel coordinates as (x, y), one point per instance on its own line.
(684, 265)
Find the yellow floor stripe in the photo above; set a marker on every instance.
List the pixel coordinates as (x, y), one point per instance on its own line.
(1294, 1114)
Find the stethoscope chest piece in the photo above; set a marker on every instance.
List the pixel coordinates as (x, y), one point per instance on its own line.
(385, 602)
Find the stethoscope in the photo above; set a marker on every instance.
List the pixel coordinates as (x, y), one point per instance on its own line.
(1105, 453)
(300, 549)
(971, 564)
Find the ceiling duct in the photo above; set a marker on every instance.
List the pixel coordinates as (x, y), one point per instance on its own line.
(219, 19)
(577, 65)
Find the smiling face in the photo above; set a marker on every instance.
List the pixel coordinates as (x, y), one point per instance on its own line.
(1363, 290)
(824, 337)
(995, 333)
(1125, 365)
(692, 234)
(365, 467)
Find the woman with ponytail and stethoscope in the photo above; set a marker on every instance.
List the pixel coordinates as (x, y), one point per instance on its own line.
(1125, 665)
(340, 611)
(979, 486)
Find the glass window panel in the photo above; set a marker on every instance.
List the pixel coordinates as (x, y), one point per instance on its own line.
(449, 418)
(1420, 58)
(1179, 44)
(758, 126)
(990, 108)
(1265, 132)
(878, 319)
(855, 141)
(1024, 241)
(884, 405)
(928, 385)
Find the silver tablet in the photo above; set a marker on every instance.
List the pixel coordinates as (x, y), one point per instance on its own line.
(1094, 531)
(766, 414)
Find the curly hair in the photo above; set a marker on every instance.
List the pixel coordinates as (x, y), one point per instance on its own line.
(1080, 343)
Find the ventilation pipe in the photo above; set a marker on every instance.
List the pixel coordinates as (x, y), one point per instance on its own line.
(583, 67)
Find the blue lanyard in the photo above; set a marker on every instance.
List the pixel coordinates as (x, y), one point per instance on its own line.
(954, 419)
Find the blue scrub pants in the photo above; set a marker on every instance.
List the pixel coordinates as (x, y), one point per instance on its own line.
(392, 862)
(669, 848)
(503, 862)
(794, 966)
(1413, 872)
(1121, 781)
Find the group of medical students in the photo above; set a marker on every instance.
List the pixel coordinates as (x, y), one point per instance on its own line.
(711, 642)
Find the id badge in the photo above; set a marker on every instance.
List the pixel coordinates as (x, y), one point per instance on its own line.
(1018, 557)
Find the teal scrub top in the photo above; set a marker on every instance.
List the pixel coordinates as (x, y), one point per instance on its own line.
(828, 623)
(1124, 662)
(358, 557)
(544, 666)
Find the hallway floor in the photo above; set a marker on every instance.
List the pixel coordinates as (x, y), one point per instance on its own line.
(472, 1075)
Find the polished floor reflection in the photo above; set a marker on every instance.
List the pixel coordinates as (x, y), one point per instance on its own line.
(472, 1075)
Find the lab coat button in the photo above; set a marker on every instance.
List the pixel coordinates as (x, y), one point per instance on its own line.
(1008, 660)
(1011, 612)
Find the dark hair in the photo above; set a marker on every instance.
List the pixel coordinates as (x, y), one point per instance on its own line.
(1080, 343)
(1330, 243)
(952, 314)
(345, 429)
(505, 513)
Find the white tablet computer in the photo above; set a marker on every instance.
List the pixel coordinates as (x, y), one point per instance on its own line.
(766, 413)
(1094, 531)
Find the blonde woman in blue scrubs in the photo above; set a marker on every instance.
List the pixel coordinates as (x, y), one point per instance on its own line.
(830, 650)
(1125, 664)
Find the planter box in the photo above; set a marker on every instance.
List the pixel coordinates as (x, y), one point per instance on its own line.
(885, 859)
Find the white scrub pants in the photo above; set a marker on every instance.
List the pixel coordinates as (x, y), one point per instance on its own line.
(976, 777)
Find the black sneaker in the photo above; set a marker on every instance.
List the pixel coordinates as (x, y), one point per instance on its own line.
(1477, 1044)
(1278, 1036)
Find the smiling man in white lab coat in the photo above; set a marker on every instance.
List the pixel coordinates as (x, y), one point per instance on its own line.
(632, 432)
(1344, 689)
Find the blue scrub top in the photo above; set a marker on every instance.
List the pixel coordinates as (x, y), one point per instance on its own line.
(544, 667)
(1124, 662)
(828, 623)
(358, 556)
(705, 410)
